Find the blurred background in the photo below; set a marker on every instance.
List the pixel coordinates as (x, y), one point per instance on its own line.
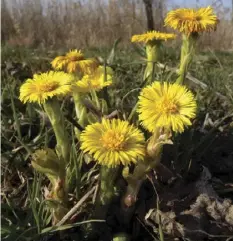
(97, 23)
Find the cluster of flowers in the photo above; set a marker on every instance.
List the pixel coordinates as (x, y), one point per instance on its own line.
(163, 108)
(161, 105)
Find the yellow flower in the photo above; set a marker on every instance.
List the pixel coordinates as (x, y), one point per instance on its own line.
(44, 86)
(74, 61)
(152, 35)
(96, 81)
(166, 105)
(113, 142)
(192, 20)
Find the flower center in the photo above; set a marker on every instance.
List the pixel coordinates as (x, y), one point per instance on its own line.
(113, 141)
(76, 57)
(198, 18)
(191, 17)
(170, 107)
(95, 85)
(48, 87)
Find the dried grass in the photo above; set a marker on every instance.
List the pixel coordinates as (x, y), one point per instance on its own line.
(79, 23)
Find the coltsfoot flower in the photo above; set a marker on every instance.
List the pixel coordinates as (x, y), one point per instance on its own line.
(44, 86)
(152, 35)
(113, 142)
(166, 105)
(95, 81)
(153, 41)
(74, 61)
(189, 20)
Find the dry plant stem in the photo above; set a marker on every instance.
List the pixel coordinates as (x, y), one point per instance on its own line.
(187, 54)
(153, 53)
(56, 118)
(92, 108)
(76, 207)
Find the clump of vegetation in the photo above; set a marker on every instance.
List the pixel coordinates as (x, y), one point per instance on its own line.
(98, 144)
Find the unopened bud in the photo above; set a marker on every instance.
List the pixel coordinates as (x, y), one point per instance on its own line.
(46, 161)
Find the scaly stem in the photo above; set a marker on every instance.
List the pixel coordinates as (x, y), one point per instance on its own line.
(107, 191)
(81, 112)
(60, 195)
(152, 159)
(107, 184)
(78, 105)
(56, 118)
(136, 179)
(153, 53)
(187, 54)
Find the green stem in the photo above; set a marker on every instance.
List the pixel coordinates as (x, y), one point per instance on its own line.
(121, 237)
(80, 109)
(56, 118)
(187, 54)
(107, 184)
(154, 151)
(78, 104)
(153, 53)
(136, 179)
(133, 111)
(107, 191)
(95, 99)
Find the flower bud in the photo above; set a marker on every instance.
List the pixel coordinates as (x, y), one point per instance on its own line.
(46, 161)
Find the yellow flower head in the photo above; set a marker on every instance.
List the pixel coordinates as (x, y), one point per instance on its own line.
(96, 81)
(113, 142)
(166, 105)
(44, 86)
(192, 20)
(74, 61)
(152, 35)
